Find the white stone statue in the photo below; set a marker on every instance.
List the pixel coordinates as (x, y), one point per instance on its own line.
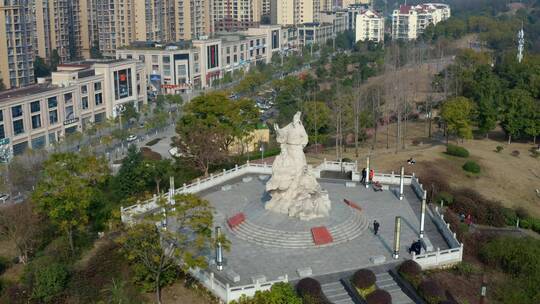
(293, 188)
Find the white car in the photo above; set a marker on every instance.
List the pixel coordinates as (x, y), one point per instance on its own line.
(4, 197)
(132, 137)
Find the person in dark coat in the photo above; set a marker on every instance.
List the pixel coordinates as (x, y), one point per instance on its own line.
(364, 174)
(376, 226)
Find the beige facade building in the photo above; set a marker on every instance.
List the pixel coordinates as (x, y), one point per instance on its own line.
(410, 21)
(76, 96)
(16, 43)
(294, 12)
(58, 27)
(199, 64)
(235, 15)
(369, 26)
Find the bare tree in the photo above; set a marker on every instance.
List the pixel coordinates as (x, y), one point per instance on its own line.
(20, 226)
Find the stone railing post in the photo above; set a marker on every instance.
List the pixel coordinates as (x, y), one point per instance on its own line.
(401, 180)
(423, 215)
(397, 232)
(367, 172)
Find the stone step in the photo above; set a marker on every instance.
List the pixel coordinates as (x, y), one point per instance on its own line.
(335, 292)
(386, 282)
(352, 228)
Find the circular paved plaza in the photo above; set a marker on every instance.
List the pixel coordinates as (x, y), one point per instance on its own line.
(272, 245)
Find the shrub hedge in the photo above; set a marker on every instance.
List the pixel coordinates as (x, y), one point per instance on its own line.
(363, 278)
(457, 151)
(471, 166)
(379, 296)
(411, 271)
(309, 288)
(444, 196)
(519, 257)
(431, 292)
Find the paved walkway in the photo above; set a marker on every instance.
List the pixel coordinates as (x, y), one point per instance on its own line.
(250, 260)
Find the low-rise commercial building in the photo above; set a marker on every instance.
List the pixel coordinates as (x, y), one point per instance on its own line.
(75, 96)
(199, 63)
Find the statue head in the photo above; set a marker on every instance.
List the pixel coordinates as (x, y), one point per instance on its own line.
(297, 118)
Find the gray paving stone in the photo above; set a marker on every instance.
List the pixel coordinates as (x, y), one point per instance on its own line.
(249, 259)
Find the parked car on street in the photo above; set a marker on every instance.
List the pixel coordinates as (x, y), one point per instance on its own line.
(132, 137)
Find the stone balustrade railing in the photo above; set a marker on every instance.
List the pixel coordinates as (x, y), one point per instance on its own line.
(441, 258)
(228, 293)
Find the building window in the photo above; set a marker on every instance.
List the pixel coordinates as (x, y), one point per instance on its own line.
(122, 84)
(39, 142)
(155, 58)
(36, 121)
(19, 148)
(2, 132)
(166, 59)
(69, 113)
(35, 107)
(84, 102)
(18, 127)
(53, 117)
(84, 89)
(16, 111)
(52, 138)
(97, 86)
(99, 99)
(52, 102)
(99, 117)
(68, 98)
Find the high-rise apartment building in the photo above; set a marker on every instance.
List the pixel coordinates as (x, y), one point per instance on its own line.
(58, 27)
(369, 26)
(236, 15)
(293, 12)
(16, 43)
(408, 22)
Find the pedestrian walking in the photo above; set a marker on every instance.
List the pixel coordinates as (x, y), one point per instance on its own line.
(376, 227)
(364, 174)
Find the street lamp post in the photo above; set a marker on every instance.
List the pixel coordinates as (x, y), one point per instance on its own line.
(262, 152)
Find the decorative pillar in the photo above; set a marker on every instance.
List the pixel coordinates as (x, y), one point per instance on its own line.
(367, 172)
(219, 250)
(423, 215)
(397, 233)
(401, 177)
(171, 190)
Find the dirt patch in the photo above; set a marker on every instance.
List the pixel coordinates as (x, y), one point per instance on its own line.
(505, 178)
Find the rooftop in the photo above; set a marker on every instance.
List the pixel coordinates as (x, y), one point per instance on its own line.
(26, 91)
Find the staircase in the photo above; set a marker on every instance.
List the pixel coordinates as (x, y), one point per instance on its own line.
(386, 282)
(346, 231)
(335, 292)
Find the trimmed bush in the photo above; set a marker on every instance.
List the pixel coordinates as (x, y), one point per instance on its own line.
(444, 196)
(471, 166)
(309, 288)
(431, 292)
(363, 278)
(364, 282)
(498, 149)
(457, 151)
(379, 296)
(411, 271)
